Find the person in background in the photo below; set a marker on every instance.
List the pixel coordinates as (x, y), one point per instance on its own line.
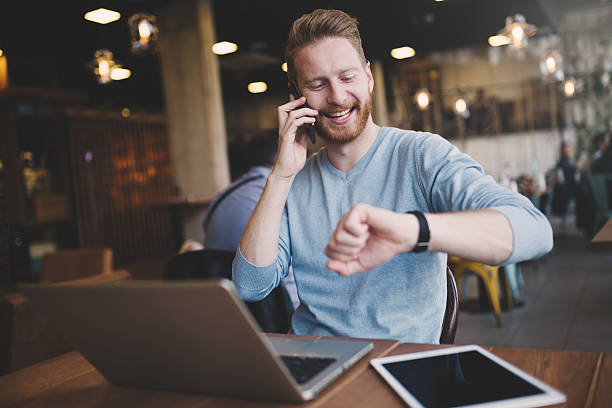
(602, 141)
(229, 212)
(586, 209)
(564, 192)
(604, 165)
(368, 221)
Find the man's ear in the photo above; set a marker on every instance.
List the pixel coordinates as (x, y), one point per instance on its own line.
(370, 77)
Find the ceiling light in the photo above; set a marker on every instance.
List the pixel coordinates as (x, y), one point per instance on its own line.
(143, 30)
(1, 53)
(551, 63)
(423, 98)
(102, 65)
(402, 52)
(460, 106)
(257, 87)
(498, 40)
(102, 16)
(117, 74)
(224, 47)
(106, 68)
(569, 87)
(517, 30)
(284, 66)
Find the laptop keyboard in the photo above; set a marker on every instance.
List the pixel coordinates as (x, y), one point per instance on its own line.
(304, 368)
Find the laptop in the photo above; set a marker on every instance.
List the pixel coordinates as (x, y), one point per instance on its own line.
(189, 337)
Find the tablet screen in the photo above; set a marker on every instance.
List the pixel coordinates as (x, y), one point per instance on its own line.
(461, 378)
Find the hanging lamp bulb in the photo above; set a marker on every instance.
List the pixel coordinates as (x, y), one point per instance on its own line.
(143, 33)
(103, 63)
(517, 31)
(106, 68)
(423, 98)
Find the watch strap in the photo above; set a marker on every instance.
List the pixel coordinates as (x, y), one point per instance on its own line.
(424, 235)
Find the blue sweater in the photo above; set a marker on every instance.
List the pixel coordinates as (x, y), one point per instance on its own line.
(405, 298)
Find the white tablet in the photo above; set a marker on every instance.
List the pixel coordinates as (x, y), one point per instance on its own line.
(463, 376)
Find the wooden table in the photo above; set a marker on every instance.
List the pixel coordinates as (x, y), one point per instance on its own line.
(585, 377)
(70, 381)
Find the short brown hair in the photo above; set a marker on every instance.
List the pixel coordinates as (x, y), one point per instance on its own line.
(316, 26)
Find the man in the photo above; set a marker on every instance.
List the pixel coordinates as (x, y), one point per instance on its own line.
(341, 215)
(230, 210)
(604, 165)
(564, 192)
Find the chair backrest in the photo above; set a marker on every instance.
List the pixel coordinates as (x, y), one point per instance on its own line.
(273, 313)
(203, 263)
(449, 325)
(68, 265)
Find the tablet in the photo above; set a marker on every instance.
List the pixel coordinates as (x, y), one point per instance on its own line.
(462, 376)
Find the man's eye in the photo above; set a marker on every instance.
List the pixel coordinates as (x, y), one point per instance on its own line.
(316, 86)
(348, 78)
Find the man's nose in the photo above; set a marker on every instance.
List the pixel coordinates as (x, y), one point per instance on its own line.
(337, 94)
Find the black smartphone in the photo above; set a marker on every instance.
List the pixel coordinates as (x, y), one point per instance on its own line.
(295, 91)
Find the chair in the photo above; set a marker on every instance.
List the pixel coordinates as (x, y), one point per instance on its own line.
(272, 313)
(489, 276)
(449, 325)
(25, 333)
(87, 265)
(603, 205)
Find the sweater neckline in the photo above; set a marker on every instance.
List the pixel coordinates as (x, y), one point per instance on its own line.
(360, 166)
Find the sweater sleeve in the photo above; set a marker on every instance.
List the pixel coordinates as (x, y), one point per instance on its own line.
(453, 181)
(256, 282)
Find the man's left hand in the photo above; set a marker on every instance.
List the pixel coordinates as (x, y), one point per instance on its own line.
(367, 236)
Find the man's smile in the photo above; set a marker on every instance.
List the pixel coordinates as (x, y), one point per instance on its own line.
(340, 117)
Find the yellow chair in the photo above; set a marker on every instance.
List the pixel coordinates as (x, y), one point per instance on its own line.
(489, 276)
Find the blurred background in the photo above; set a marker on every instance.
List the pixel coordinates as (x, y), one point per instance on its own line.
(120, 120)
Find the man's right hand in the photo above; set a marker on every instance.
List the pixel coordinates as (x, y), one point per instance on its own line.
(292, 140)
(259, 242)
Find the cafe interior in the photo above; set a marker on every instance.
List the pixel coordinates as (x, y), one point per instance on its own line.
(121, 121)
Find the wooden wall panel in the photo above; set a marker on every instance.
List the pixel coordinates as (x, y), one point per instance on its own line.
(123, 183)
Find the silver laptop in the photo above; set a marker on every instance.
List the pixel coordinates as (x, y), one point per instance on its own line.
(189, 337)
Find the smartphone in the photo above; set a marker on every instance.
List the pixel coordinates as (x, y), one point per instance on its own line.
(296, 93)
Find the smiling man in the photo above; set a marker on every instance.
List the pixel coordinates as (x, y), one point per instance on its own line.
(368, 221)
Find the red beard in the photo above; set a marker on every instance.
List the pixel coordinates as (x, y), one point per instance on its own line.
(345, 134)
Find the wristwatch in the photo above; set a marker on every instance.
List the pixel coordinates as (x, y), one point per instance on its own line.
(424, 235)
